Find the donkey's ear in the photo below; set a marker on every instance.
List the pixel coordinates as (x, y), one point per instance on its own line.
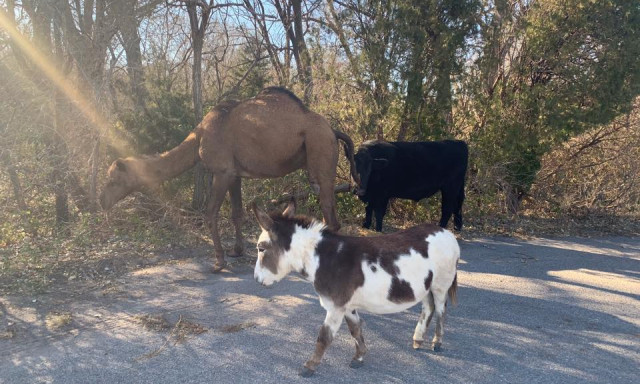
(290, 211)
(264, 221)
(121, 166)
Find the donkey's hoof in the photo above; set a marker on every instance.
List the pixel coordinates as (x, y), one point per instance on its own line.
(355, 363)
(437, 347)
(306, 372)
(417, 344)
(218, 266)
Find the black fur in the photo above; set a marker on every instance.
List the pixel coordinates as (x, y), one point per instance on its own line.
(412, 171)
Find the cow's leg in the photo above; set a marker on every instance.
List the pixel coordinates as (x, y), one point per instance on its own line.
(420, 334)
(236, 215)
(380, 210)
(448, 205)
(221, 184)
(439, 301)
(368, 215)
(328, 330)
(457, 213)
(355, 327)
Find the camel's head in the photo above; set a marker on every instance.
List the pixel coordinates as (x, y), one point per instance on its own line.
(121, 181)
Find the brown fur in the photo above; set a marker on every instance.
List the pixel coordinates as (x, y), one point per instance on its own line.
(338, 275)
(267, 136)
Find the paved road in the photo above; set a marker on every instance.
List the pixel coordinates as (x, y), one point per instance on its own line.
(538, 311)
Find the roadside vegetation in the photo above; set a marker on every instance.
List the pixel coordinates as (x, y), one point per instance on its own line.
(544, 92)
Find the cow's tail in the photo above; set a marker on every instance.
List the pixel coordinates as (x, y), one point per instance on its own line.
(349, 151)
(453, 290)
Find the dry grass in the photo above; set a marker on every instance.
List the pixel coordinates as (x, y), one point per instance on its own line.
(156, 323)
(233, 328)
(184, 328)
(7, 334)
(55, 320)
(178, 334)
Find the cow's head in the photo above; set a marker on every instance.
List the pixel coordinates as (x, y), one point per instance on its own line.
(365, 166)
(121, 181)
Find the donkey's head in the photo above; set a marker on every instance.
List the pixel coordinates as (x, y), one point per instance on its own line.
(121, 181)
(283, 243)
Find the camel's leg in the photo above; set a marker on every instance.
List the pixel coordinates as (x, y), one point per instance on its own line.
(328, 330)
(322, 160)
(236, 215)
(328, 206)
(355, 327)
(221, 184)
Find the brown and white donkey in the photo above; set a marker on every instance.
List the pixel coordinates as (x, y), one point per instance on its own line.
(381, 274)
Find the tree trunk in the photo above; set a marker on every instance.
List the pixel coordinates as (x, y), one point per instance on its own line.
(93, 177)
(300, 47)
(128, 27)
(59, 163)
(513, 198)
(259, 17)
(15, 181)
(203, 178)
(414, 99)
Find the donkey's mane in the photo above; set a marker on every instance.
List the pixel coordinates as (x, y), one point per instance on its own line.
(302, 221)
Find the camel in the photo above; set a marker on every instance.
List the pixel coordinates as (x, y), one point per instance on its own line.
(269, 135)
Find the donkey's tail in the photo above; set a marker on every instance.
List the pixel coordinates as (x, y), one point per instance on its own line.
(349, 151)
(453, 290)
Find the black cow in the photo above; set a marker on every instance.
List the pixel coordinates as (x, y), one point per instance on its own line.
(412, 171)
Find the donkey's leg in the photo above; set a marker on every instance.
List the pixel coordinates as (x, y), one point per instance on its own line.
(221, 184)
(420, 334)
(328, 330)
(236, 215)
(355, 327)
(440, 300)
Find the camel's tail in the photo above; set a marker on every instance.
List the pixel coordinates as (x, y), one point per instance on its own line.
(349, 151)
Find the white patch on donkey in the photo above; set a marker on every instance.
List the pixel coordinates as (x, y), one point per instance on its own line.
(382, 274)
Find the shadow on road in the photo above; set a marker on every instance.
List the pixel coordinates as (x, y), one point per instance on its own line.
(537, 311)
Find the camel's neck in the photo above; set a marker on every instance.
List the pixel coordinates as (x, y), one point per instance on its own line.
(167, 165)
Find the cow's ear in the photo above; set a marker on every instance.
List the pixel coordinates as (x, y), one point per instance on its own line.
(379, 164)
(264, 221)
